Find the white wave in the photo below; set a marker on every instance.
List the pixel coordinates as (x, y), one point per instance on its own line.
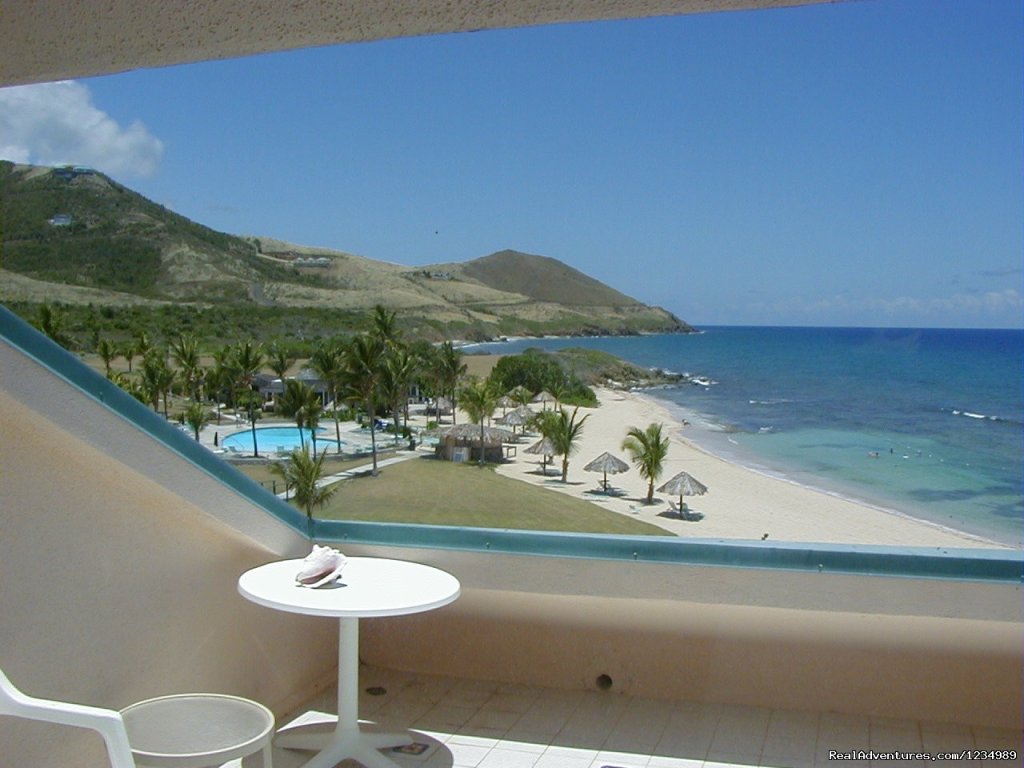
(972, 415)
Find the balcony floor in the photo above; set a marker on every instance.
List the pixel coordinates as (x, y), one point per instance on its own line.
(474, 724)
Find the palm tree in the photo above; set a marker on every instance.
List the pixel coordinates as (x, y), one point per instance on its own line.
(127, 351)
(302, 474)
(479, 399)
(246, 359)
(107, 352)
(142, 344)
(563, 431)
(364, 362)
(647, 449)
(385, 328)
(279, 360)
(396, 378)
(425, 369)
(329, 363)
(196, 417)
(252, 402)
(185, 352)
(51, 322)
(130, 385)
(156, 379)
(220, 380)
(450, 369)
(299, 402)
(311, 413)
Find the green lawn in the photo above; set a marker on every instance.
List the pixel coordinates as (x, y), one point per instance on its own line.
(431, 492)
(262, 474)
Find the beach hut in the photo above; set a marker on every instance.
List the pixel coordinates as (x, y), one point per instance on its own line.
(462, 443)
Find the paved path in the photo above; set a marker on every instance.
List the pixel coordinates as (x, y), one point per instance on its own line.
(360, 470)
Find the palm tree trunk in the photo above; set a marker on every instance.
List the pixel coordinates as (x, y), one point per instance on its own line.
(373, 433)
(373, 446)
(337, 420)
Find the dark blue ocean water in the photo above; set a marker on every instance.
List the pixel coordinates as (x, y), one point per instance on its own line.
(928, 423)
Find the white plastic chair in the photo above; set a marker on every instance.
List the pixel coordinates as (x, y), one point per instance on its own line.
(180, 731)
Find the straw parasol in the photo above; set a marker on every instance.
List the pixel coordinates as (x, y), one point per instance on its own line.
(543, 447)
(684, 484)
(544, 397)
(607, 463)
(517, 418)
(505, 402)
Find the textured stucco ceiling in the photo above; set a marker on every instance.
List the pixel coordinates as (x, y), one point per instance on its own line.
(44, 40)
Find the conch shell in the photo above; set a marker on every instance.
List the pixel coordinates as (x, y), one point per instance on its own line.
(321, 566)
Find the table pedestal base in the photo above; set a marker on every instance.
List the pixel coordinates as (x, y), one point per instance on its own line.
(340, 737)
(318, 731)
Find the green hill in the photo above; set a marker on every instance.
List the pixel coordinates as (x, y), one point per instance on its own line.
(75, 237)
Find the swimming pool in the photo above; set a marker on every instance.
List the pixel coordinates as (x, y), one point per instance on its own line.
(271, 439)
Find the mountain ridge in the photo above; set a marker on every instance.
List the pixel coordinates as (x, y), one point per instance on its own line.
(73, 236)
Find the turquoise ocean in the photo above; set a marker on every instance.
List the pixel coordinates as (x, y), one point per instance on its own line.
(927, 423)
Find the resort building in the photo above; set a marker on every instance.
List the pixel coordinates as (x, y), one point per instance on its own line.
(122, 542)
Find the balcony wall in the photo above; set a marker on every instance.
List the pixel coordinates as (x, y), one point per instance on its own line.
(924, 649)
(118, 568)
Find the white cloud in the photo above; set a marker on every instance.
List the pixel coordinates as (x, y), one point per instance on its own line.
(57, 124)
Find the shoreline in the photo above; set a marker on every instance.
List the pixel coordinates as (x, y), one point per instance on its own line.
(753, 463)
(742, 503)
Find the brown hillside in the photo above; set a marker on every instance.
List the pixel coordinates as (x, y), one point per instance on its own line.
(542, 278)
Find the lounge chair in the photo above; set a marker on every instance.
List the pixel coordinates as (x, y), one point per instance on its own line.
(686, 513)
(191, 729)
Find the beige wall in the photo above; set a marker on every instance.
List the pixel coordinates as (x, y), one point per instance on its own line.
(966, 671)
(929, 649)
(115, 588)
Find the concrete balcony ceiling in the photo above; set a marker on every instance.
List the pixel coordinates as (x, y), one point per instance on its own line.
(60, 39)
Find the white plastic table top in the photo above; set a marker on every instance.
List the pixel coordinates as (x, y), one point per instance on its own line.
(368, 587)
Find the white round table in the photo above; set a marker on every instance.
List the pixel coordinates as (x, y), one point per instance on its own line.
(368, 587)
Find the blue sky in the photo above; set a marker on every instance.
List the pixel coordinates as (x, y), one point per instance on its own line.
(849, 164)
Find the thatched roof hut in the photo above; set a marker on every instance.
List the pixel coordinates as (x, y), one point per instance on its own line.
(462, 443)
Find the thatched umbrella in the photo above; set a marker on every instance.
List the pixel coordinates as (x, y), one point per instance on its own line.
(505, 402)
(543, 447)
(681, 485)
(517, 418)
(544, 397)
(606, 463)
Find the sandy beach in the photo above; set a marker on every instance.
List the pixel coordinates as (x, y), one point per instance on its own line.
(740, 504)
